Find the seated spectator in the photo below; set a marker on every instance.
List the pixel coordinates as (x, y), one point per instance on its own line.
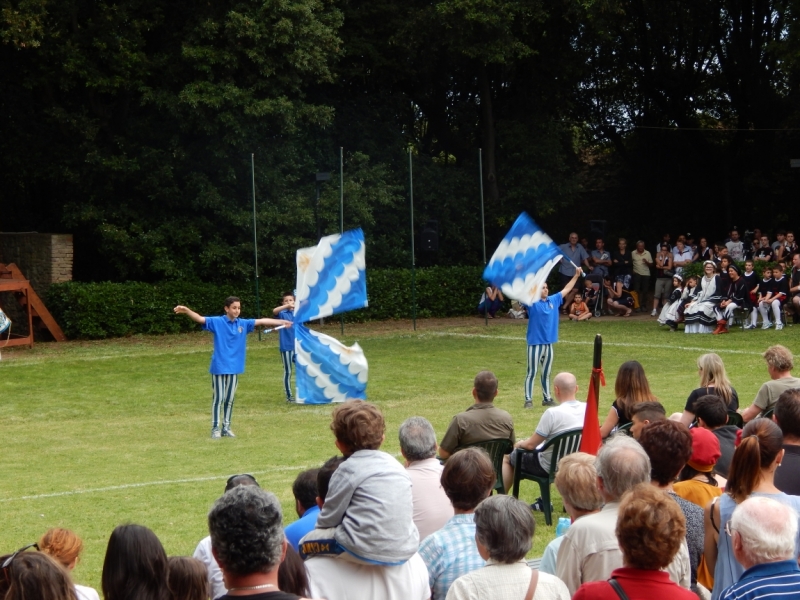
(704, 251)
(34, 575)
(331, 578)
(305, 494)
(713, 380)
(66, 547)
(481, 422)
(780, 240)
(644, 413)
(700, 313)
(630, 388)
(736, 297)
(135, 565)
(432, 508)
(591, 295)
(503, 532)
(368, 510)
(576, 481)
(794, 288)
(780, 363)
(712, 414)
(751, 284)
(618, 299)
(650, 532)
(669, 314)
(590, 551)
(187, 578)
(763, 535)
(776, 292)
(203, 550)
(567, 415)
(579, 311)
(491, 301)
(248, 542)
(450, 552)
(697, 483)
(517, 311)
(669, 446)
(787, 416)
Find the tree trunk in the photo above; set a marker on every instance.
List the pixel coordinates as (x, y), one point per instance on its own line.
(487, 118)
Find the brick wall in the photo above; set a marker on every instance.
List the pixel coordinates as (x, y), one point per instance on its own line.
(44, 258)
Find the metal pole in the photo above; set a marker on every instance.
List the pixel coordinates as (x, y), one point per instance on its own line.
(413, 260)
(483, 231)
(341, 209)
(255, 237)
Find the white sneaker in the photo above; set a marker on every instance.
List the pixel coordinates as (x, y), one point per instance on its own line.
(654, 313)
(779, 326)
(766, 325)
(749, 325)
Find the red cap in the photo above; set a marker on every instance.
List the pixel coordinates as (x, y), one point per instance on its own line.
(705, 450)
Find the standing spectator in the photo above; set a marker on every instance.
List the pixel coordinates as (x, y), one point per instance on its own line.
(665, 241)
(630, 388)
(305, 494)
(735, 247)
(650, 532)
(780, 363)
(681, 257)
(66, 547)
(450, 552)
(764, 252)
(664, 276)
(787, 416)
(763, 534)
(600, 259)
(575, 256)
(752, 474)
(432, 508)
(712, 414)
(794, 288)
(621, 260)
(503, 531)
(704, 251)
(576, 481)
(642, 260)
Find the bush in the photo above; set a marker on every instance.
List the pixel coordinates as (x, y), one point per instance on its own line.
(105, 310)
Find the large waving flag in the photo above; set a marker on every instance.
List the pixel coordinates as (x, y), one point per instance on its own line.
(331, 277)
(522, 261)
(327, 370)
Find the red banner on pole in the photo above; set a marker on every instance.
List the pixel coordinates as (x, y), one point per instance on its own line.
(591, 439)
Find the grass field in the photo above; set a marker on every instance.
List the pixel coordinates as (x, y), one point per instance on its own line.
(102, 433)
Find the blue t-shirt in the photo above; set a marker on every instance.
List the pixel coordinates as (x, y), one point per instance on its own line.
(296, 531)
(230, 339)
(577, 255)
(543, 320)
(286, 334)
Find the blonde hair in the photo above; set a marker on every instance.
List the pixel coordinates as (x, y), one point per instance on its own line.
(62, 544)
(779, 358)
(576, 481)
(712, 373)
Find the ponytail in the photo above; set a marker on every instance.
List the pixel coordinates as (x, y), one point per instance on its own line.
(761, 442)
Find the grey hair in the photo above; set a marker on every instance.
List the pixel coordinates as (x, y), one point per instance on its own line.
(246, 530)
(622, 463)
(504, 526)
(768, 529)
(417, 439)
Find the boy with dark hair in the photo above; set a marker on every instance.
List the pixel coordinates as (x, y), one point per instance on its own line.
(305, 494)
(368, 510)
(286, 341)
(712, 413)
(227, 360)
(644, 413)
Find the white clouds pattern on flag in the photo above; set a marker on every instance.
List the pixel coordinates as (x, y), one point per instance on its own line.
(327, 370)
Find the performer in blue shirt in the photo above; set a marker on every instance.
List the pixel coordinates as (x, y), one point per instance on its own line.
(227, 360)
(286, 346)
(542, 334)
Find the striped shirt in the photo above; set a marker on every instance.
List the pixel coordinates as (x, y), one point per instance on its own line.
(770, 580)
(450, 553)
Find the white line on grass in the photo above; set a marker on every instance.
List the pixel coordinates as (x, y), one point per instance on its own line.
(591, 343)
(126, 486)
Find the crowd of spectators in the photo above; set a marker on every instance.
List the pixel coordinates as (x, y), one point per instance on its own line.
(682, 507)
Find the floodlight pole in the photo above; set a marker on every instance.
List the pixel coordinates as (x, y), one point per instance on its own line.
(413, 261)
(341, 209)
(483, 232)
(255, 236)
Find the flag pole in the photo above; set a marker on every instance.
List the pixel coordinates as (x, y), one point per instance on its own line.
(413, 266)
(591, 439)
(255, 236)
(341, 209)
(483, 231)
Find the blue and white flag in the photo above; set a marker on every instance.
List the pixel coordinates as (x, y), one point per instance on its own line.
(522, 261)
(331, 277)
(327, 370)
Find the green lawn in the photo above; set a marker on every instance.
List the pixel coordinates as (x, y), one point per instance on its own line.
(103, 433)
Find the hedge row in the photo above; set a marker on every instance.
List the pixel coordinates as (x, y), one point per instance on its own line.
(106, 310)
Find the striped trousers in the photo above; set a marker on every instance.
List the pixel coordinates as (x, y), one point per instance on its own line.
(540, 358)
(223, 388)
(287, 357)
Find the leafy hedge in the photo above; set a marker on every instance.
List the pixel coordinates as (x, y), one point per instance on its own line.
(105, 310)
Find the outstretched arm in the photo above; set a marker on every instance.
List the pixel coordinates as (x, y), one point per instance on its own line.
(571, 282)
(180, 309)
(272, 322)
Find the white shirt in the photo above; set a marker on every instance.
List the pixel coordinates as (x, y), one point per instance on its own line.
(86, 593)
(432, 508)
(558, 419)
(506, 582)
(203, 554)
(340, 579)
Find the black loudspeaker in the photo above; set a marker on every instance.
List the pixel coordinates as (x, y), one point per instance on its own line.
(597, 229)
(430, 236)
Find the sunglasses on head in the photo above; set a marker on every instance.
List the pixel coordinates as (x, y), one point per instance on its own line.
(7, 562)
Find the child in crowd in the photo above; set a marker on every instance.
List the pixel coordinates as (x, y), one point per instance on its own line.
(187, 578)
(579, 311)
(368, 512)
(777, 293)
(766, 290)
(751, 285)
(286, 341)
(669, 314)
